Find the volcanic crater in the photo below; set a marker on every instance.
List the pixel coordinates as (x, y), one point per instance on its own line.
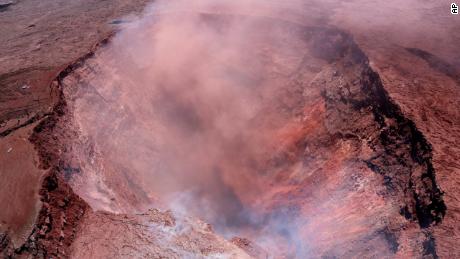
(280, 135)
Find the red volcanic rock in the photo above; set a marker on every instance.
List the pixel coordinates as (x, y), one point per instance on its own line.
(153, 234)
(249, 247)
(340, 170)
(309, 139)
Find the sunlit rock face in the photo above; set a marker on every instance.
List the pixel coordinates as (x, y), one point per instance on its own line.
(152, 234)
(267, 128)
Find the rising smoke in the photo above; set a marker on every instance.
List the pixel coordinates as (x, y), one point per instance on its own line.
(185, 113)
(193, 108)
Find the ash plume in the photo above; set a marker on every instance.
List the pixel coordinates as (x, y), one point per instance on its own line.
(185, 110)
(203, 107)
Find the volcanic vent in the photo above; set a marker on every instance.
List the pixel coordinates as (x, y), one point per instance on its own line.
(269, 129)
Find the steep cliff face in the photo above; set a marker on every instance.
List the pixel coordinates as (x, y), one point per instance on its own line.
(428, 98)
(65, 223)
(359, 114)
(38, 40)
(344, 172)
(60, 209)
(153, 234)
(400, 152)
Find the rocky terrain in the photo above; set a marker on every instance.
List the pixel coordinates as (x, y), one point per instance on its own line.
(300, 130)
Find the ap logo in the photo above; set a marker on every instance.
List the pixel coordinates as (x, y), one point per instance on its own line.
(454, 8)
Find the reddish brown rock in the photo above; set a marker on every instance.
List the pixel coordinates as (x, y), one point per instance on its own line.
(351, 153)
